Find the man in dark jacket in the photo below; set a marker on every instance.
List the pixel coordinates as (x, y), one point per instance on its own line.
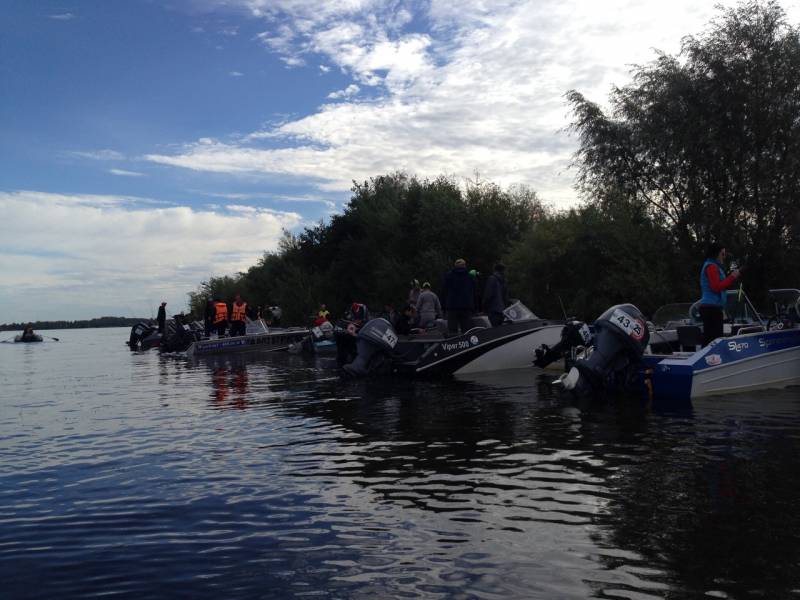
(495, 296)
(161, 317)
(459, 297)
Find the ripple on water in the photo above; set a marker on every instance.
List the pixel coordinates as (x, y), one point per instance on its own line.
(268, 476)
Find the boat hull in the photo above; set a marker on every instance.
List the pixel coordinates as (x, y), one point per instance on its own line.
(273, 341)
(728, 365)
(509, 346)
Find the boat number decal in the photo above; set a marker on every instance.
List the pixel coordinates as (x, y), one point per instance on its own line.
(713, 359)
(633, 327)
(737, 346)
(473, 340)
(390, 338)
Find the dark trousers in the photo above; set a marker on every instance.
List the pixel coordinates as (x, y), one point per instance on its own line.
(238, 328)
(461, 318)
(712, 323)
(161, 326)
(221, 327)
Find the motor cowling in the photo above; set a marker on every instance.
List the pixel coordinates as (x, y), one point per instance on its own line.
(619, 343)
(575, 334)
(375, 343)
(139, 332)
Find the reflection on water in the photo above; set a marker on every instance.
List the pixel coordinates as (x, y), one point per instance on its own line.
(268, 476)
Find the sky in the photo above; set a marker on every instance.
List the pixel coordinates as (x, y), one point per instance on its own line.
(149, 145)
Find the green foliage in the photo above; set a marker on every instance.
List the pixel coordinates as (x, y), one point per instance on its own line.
(591, 258)
(395, 228)
(709, 142)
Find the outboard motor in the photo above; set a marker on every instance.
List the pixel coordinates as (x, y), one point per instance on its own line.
(181, 337)
(575, 335)
(143, 336)
(375, 341)
(621, 336)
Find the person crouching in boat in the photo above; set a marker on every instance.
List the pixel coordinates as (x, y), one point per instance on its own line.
(713, 284)
(28, 335)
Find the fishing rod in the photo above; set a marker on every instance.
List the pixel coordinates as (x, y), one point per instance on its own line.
(742, 293)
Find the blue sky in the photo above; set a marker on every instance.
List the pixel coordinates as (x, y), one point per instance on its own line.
(149, 145)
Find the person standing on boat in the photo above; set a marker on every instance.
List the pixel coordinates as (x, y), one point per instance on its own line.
(238, 317)
(428, 307)
(495, 296)
(161, 317)
(208, 317)
(459, 297)
(220, 317)
(414, 292)
(713, 284)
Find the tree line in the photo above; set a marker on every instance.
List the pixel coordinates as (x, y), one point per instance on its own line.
(83, 324)
(699, 147)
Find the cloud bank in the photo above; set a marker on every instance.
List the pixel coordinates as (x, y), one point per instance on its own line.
(445, 86)
(93, 255)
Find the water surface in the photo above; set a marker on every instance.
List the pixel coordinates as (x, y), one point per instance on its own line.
(266, 476)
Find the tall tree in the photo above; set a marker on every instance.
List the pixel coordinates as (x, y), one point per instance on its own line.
(709, 141)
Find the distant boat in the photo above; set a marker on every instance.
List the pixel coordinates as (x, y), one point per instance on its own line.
(29, 338)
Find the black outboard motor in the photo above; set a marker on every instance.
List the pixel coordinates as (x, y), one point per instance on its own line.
(575, 335)
(181, 337)
(143, 336)
(374, 343)
(619, 342)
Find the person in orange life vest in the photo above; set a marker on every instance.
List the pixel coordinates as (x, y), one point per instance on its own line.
(238, 316)
(713, 284)
(220, 317)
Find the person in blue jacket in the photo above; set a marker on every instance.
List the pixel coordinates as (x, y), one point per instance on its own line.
(459, 297)
(713, 284)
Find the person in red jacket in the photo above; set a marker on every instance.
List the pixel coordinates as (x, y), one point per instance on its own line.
(713, 284)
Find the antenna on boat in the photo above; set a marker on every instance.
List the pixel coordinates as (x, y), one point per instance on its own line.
(563, 310)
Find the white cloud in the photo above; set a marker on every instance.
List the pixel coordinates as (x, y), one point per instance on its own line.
(105, 154)
(236, 74)
(62, 17)
(482, 90)
(90, 254)
(124, 173)
(348, 92)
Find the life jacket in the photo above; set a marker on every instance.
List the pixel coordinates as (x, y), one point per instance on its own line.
(238, 311)
(220, 312)
(710, 297)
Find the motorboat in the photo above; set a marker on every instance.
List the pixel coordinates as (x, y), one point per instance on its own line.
(28, 338)
(266, 340)
(755, 354)
(482, 348)
(758, 355)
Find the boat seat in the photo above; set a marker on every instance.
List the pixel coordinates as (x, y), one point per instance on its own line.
(690, 337)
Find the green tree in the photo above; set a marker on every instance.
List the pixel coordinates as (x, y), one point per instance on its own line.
(708, 142)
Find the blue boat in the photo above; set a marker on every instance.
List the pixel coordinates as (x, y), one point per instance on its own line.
(744, 362)
(754, 354)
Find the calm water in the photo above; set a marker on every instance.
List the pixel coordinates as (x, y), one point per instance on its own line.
(137, 475)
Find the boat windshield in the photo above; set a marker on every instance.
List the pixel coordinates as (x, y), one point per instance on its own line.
(675, 315)
(519, 312)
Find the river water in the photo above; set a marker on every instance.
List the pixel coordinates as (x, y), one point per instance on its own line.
(136, 475)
